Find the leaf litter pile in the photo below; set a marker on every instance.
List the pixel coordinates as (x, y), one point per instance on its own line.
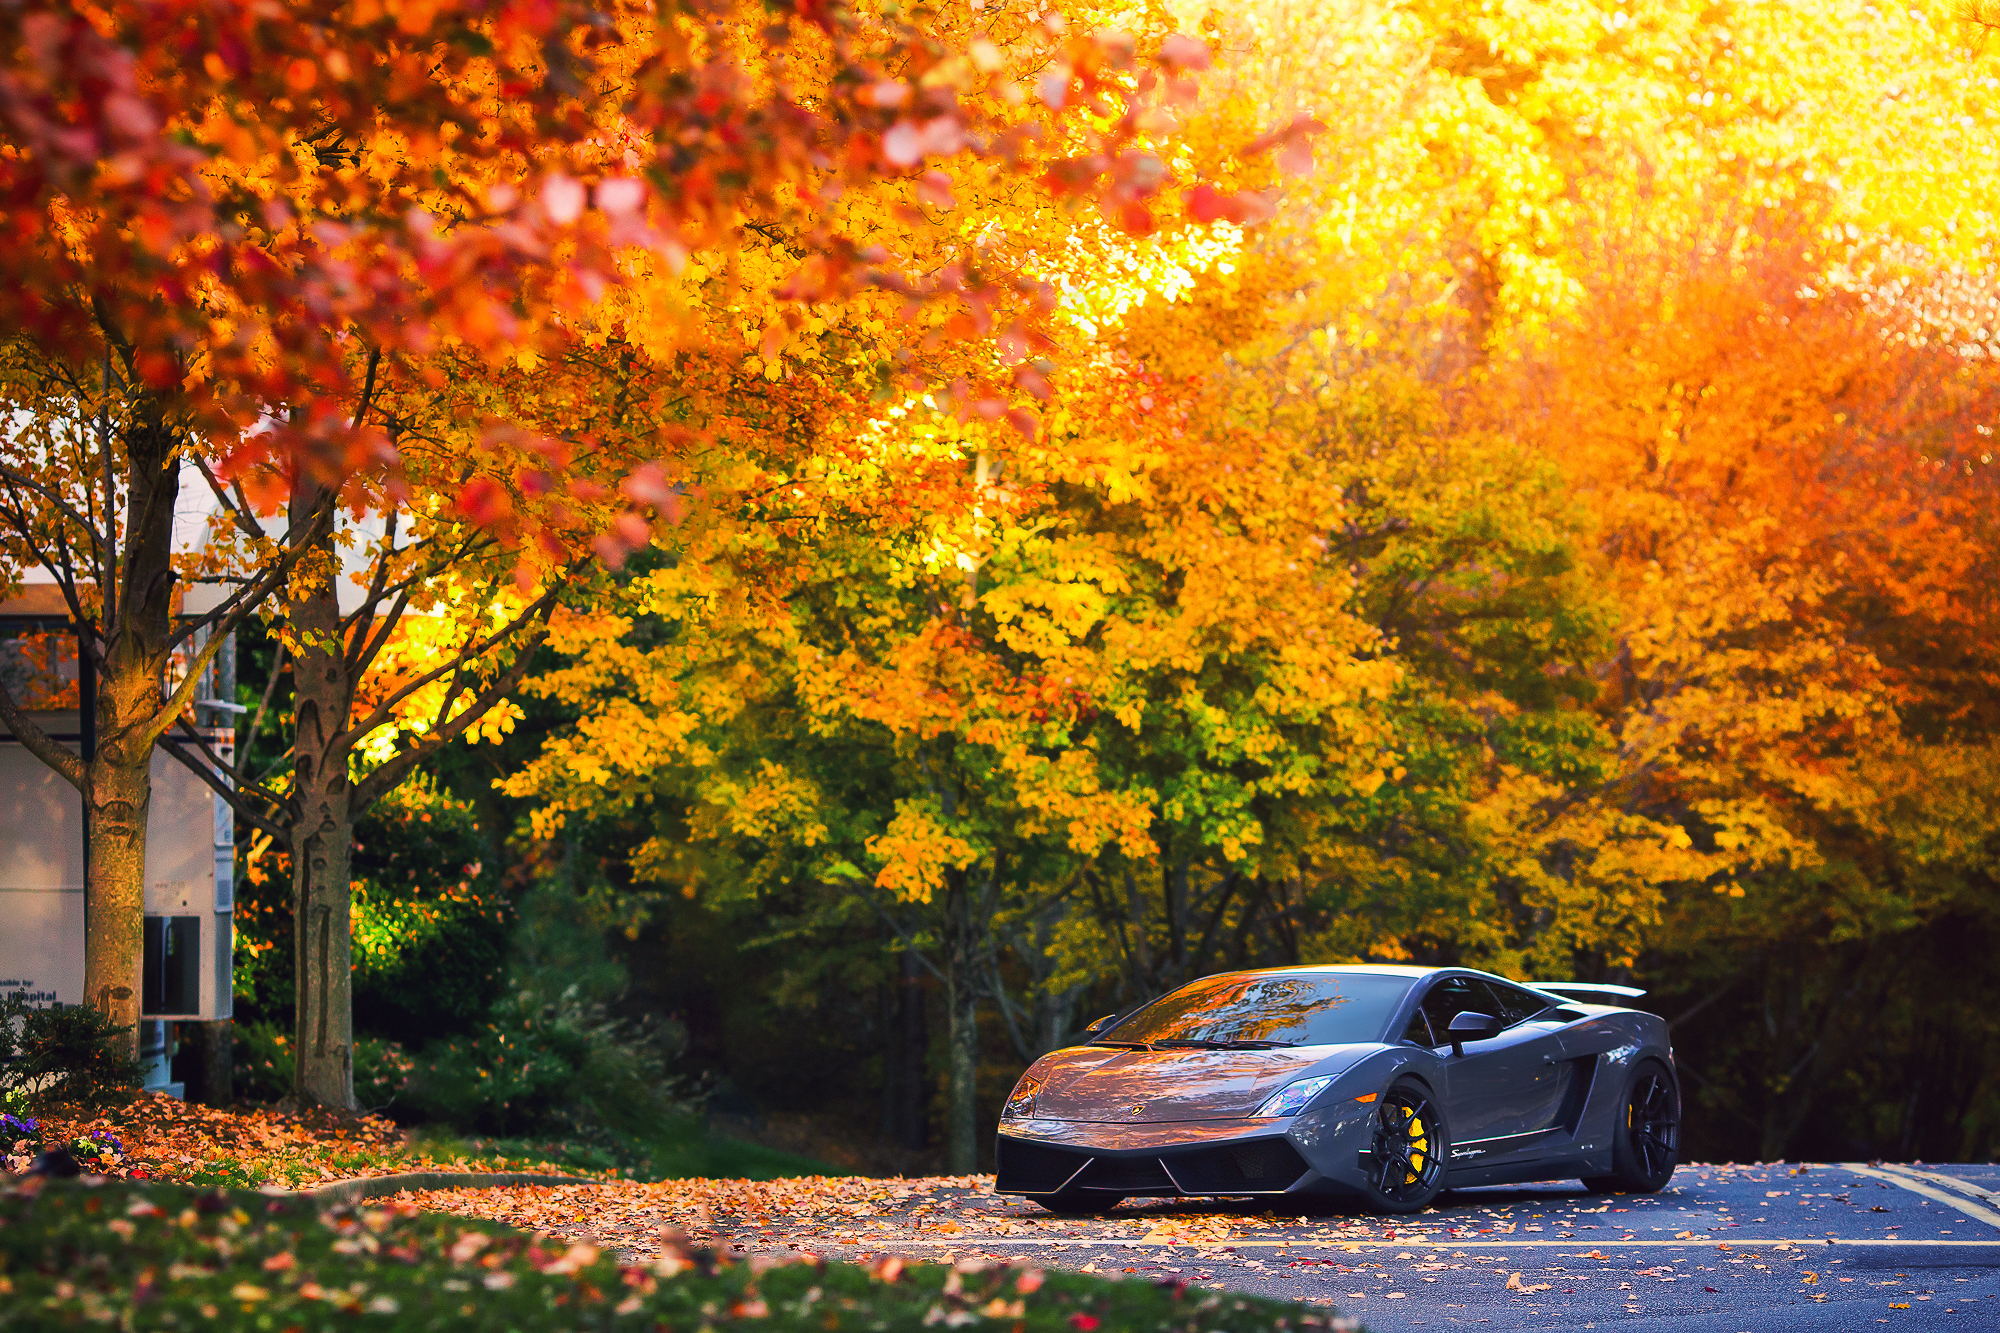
(164, 1138)
(1358, 1261)
(151, 1256)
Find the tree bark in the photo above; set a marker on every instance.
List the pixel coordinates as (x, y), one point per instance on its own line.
(215, 1046)
(137, 618)
(961, 976)
(906, 1109)
(322, 824)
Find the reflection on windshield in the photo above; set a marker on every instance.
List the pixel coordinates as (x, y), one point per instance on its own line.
(1236, 1010)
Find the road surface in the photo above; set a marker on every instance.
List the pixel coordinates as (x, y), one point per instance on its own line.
(1723, 1249)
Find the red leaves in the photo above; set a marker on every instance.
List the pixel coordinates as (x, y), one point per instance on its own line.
(1183, 53)
(1293, 142)
(307, 255)
(485, 501)
(1083, 1323)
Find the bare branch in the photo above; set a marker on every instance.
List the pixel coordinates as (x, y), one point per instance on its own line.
(68, 511)
(384, 779)
(357, 633)
(264, 704)
(233, 500)
(386, 709)
(238, 606)
(372, 648)
(204, 767)
(41, 745)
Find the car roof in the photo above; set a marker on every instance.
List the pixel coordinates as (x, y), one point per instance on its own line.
(1379, 969)
(1373, 969)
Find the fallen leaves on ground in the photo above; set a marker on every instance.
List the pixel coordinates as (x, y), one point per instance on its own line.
(157, 1256)
(165, 1138)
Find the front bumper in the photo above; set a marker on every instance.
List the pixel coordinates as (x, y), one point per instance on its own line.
(1263, 1164)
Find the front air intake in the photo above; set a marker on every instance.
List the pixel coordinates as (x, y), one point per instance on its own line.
(1128, 1175)
(1260, 1166)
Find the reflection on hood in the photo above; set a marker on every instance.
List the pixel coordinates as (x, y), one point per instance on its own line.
(1105, 1084)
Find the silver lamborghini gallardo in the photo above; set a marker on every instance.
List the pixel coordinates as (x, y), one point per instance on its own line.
(1382, 1084)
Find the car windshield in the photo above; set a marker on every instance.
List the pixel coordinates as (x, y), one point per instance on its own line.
(1257, 1010)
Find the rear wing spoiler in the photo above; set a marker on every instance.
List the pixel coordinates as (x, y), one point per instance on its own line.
(1587, 990)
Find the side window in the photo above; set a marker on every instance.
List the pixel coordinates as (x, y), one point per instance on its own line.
(1448, 999)
(1419, 1030)
(1511, 1004)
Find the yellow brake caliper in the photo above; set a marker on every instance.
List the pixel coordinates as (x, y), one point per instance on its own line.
(1419, 1140)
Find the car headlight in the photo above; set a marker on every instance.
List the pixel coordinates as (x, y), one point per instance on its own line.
(1021, 1101)
(1292, 1099)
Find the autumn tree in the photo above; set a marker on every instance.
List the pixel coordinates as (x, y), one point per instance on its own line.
(91, 484)
(247, 208)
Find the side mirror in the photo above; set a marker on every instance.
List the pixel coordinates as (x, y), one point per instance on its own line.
(1099, 1025)
(1468, 1026)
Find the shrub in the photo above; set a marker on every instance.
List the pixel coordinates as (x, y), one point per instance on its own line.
(265, 1068)
(64, 1053)
(559, 1064)
(429, 926)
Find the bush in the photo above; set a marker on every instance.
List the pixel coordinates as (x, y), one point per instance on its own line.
(245, 1261)
(265, 1068)
(429, 926)
(64, 1053)
(542, 1064)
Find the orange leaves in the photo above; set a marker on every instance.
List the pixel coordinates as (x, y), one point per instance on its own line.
(476, 191)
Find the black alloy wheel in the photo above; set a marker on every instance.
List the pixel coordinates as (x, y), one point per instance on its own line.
(1646, 1146)
(1406, 1165)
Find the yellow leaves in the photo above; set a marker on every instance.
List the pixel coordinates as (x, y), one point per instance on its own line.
(916, 849)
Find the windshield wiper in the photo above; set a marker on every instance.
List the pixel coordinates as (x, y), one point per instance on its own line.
(1124, 1045)
(1201, 1045)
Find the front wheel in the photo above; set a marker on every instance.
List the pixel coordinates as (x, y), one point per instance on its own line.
(1646, 1144)
(1406, 1166)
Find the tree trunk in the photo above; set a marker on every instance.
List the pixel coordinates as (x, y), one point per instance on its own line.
(215, 1055)
(130, 690)
(322, 825)
(962, 1029)
(114, 894)
(906, 1109)
(962, 1130)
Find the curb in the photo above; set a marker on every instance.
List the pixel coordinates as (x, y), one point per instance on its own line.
(374, 1187)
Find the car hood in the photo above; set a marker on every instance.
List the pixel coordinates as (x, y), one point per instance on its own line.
(1109, 1085)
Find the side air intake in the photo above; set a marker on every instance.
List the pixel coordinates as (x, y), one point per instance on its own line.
(1036, 1168)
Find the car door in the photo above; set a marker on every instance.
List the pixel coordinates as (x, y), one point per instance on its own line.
(1505, 1089)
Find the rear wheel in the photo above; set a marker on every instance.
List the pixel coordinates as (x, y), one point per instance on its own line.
(1077, 1202)
(1646, 1145)
(1406, 1166)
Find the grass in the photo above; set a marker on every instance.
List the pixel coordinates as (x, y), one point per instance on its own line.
(173, 1257)
(680, 1149)
(685, 1150)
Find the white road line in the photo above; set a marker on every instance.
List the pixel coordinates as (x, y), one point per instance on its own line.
(1423, 1243)
(1916, 1185)
(1949, 1182)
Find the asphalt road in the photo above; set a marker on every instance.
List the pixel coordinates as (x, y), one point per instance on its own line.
(1723, 1249)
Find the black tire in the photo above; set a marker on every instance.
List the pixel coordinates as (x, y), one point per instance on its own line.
(1646, 1144)
(1076, 1203)
(1412, 1144)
